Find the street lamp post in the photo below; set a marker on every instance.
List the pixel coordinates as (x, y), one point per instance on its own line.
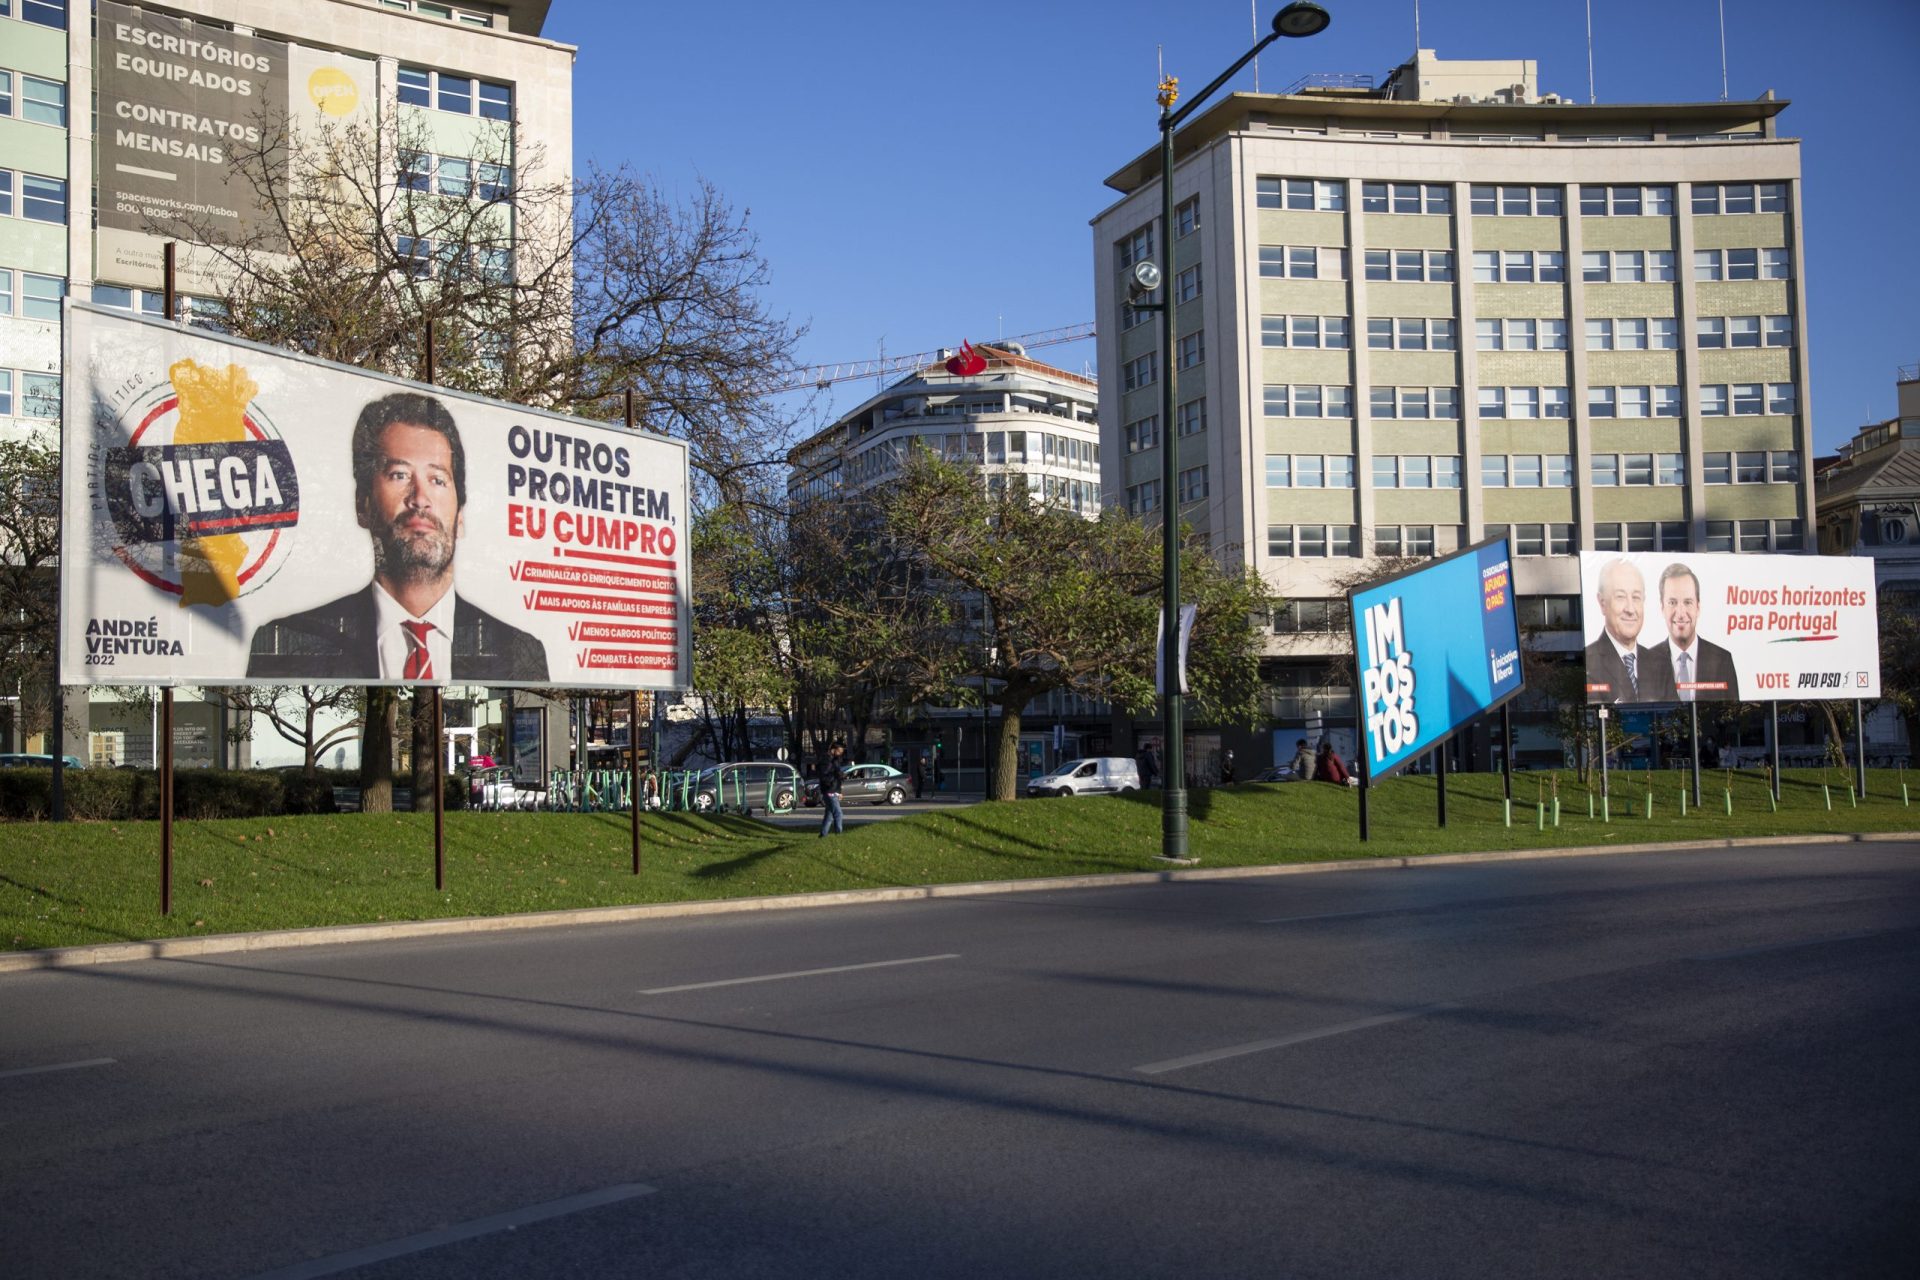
(1301, 18)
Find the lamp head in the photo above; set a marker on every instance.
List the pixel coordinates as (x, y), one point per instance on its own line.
(1145, 278)
(1301, 18)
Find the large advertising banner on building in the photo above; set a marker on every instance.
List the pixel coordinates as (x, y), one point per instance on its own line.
(1719, 627)
(175, 100)
(241, 515)
(1434, 648)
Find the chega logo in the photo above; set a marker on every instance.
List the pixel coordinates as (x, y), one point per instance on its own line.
(201, 491)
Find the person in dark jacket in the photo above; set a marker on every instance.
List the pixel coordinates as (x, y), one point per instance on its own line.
(832, 777)
(1328, 766)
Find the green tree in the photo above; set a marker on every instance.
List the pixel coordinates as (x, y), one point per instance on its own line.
(1048, 599)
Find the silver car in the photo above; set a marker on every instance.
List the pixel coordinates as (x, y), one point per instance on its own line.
(867, 784)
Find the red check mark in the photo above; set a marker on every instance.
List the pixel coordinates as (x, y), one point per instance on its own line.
(573, 632)
(515, 571)
(581, 657)
(529, 598)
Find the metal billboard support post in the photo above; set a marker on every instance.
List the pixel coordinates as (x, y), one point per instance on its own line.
(1440, 777)
(1693, 713)
(1860, 746)
(1605, 795)
(1773, 745)
(439, 797)
(1506, 749)
(166, 799)
(633, 727)
(170, 299)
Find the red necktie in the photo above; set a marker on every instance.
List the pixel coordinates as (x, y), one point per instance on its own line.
(419, 661)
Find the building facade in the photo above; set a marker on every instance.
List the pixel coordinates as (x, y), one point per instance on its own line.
(1422, 314)
(93, 140)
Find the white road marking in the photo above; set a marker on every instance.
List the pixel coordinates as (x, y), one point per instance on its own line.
(459, 1231)
(58, 1066)
(1281, 1042)
(798, 973)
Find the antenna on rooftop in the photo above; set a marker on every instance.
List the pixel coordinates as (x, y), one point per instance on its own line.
(1253, 20)
(1590, 97)
(1723, 50)
(1416, 28)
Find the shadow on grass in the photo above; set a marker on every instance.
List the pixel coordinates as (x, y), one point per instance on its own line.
(33, 891)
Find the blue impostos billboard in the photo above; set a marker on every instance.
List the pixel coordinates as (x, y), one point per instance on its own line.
(1434, 648)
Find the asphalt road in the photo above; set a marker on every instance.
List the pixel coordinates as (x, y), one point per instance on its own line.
(1660, 1065)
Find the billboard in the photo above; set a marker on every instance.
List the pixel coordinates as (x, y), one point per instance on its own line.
(241, 515)
(177, 99)
(1434, 648)
(1719, 627)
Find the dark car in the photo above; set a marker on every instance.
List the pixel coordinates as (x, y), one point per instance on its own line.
(867, 784)
(748, 785)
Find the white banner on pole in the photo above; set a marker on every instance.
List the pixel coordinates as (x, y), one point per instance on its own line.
(1188, 613)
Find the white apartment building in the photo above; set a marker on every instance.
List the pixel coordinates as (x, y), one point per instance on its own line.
(1418, 315)
(92, 134)
(1019, 420)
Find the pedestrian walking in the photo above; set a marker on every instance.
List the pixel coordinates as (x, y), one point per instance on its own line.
(832, 775)
(919, 774)
(1149, 762)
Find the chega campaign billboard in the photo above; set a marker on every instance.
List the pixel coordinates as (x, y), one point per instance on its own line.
(1719, 627)
(241, 515)
(1435, 648)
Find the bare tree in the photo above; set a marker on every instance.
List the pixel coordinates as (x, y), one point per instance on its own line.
(299, 714)
(29, 594)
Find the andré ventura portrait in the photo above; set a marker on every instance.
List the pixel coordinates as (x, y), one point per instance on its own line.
(410, 491)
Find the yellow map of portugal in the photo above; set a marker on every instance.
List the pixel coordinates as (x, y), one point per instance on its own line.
(213, 407)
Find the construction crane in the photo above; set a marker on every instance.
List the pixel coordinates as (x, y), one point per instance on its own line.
(825, 375)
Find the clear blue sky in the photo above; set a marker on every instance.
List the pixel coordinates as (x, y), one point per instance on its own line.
(921, 173)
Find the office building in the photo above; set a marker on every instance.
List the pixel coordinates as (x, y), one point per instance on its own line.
(112, 115)
(1417, 314)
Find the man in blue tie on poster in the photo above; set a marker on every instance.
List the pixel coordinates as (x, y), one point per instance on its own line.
(1619, 667)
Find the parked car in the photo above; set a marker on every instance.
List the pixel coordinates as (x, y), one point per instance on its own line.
(1091, 776)
(1278, 773)
(745, 786)
(867, 784)
(28, 760)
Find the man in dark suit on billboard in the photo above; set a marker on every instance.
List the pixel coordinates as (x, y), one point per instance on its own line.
(410, 492)
(1701, 671)
(1619, 667)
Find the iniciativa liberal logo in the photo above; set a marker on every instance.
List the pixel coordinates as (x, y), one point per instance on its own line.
(200, 493)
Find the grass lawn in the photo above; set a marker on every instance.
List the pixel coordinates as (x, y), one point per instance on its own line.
(99, 882)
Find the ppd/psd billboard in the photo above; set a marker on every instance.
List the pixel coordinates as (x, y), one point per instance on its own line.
(241, 515)
(1434, 648)
(1666, 628)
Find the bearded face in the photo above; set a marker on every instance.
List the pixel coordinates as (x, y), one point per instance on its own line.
(413, 508)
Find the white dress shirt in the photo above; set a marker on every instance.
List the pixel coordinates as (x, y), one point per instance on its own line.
(394, 644)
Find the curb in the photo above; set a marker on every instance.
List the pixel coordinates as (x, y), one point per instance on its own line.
(334, 935)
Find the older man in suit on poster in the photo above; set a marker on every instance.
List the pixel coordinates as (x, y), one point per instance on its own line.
(1619, 667)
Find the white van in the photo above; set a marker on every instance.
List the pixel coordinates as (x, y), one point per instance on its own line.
(1091, 776)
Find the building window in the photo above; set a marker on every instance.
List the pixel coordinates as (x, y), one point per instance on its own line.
(1627, 266)
(1280, 540)
(1186, 285)
(1193, 484)
(1516, 202)
(1413, 402)
(1410, 333)
(1745, 399)
(1528, 472)
(1300, 193)
(1739, 197)
(1406, 197)
(1298, 400)
(41, 199)
(1302, 262)
(1784, 466)
(1606, 470)
(40, 296)
(1143, 434)
(1142, 498)
(1331, 332)
(1523, 402)
(1279, 471)
(40, 396)
(1186, 218)
(40, 101)
(1519, 266)
(1493, 471)
(1601, 202)
(1741, 264)
(455, 94)
(1140, 371)
(1432, 265)
(44, 13)
(1191, 417)
(1137, 247)
(1193, 350)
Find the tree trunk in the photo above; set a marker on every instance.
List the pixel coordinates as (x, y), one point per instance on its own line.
(313, 755)
(1006, 754)
(424, 750)
(376, 751)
